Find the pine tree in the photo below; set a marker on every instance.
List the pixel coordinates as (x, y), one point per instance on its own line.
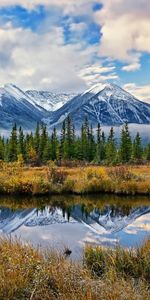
(21, 144)
(43, 142)
(54, 145)
(91, 146)
(13, 142)
(29, 146)
(62, 142)
(37, 139)
(69, 139)
(46, 154)
(125, 145)
(147, 150)
(2, 148)
(85, 139)
(137, 147)
(101, 145)
(111, 147)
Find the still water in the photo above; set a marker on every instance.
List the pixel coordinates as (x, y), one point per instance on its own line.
(72, 221)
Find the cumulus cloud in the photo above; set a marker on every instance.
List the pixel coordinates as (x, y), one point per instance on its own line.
(43, 60)
(97, 73)
(125, 29)
(131, 67)
(142, 92)
(34, 60)
(68, 6)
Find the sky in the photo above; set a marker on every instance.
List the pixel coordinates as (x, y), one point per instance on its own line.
(71, 45)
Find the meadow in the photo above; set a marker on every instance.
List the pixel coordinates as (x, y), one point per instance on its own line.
(26, 273)
(16, 178)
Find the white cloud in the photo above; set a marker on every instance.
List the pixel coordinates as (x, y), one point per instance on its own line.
(68, 6)
(40, 61)
(98, 74)
(132, 67)
(125, 29)
(142, 92)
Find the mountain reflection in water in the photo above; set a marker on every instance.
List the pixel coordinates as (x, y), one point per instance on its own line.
(75, 221)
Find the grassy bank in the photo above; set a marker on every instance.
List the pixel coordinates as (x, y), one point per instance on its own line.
(127, 180)
(27, 274)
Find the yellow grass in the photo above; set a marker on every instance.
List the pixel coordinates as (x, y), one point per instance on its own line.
(80, 180)
(25, 273)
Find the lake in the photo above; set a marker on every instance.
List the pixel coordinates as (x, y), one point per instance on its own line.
(74, 221)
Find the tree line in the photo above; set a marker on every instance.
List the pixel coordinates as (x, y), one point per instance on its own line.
(40, 147)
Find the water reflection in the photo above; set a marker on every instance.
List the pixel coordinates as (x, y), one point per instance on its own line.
(75, 221)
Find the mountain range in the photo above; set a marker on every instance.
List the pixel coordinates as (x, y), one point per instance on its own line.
(109, 106)
(109, 219)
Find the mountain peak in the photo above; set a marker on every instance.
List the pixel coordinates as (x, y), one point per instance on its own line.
(112, 86)
(100, 87)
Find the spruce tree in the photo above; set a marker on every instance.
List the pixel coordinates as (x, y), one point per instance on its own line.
(111, 147)
(2, 148)
(125, 145)
(91, 145)
(85, 139)
(37, 139)
(69, 139)
(137, 147)
(46, 154)
(43, 142)
(62, 142)
(100, 145)
(21, 144)
(54, 145)
(103, 147)
(12, 147)
(147, 150)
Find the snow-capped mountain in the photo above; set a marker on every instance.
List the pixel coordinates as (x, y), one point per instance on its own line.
(27, 108)
(49, 101)
(111, 219)
(16, 107)
(108, 106)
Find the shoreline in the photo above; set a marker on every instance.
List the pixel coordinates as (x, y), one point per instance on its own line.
(77, 181)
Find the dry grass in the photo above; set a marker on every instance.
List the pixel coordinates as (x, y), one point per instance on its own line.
(27, 274)
(80, 180)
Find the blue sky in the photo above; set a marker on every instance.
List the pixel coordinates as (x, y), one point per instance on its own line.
(68, 45)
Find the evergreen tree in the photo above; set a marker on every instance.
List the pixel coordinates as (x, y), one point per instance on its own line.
(103, 147)
(85, 139)
(37, 139)
(148, 152)
(100, 145)
(46, 155)
(111, 147)
(13, 142)
(91, 145)
(2, 148)
(54, 145)
(69, 139)
(137, 147)
(125, 145)
(21, 144)
(43, 142)
(62, 142)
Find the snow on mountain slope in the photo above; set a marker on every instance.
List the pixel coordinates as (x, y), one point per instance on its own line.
(11, 220)
(16, 107)
(49, 101)
(111, 219)
(27, 108)
(108, 106)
